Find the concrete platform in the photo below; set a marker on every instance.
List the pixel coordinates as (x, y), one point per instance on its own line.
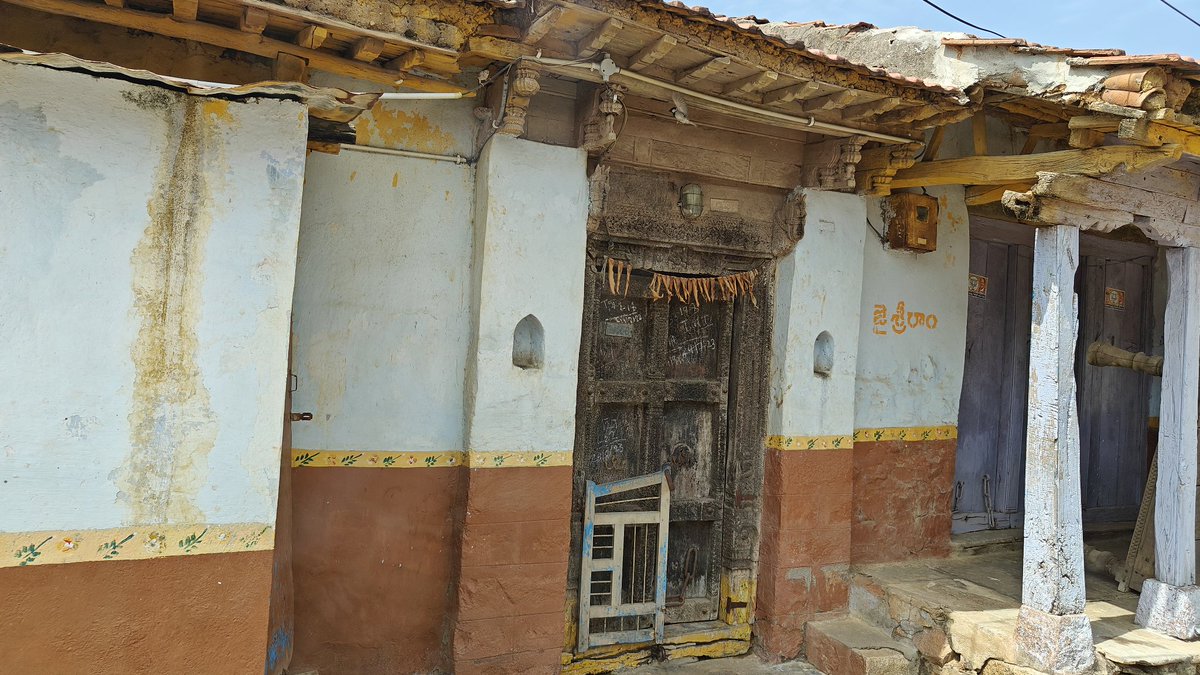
(736, 665)
(974, 600)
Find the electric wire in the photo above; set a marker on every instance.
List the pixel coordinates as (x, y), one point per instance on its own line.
(968, 23)
(1180, 12)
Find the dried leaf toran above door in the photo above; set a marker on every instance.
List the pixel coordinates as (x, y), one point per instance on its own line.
(686, 289)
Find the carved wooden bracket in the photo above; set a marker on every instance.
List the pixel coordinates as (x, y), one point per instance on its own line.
(879, 165)
(600, 129)
(525, 86)
(830, 165)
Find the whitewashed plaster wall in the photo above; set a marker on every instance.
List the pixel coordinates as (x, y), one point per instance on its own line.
(818, 288)
(530, 242)
(382, 304)
(914, 377)
(147, 256)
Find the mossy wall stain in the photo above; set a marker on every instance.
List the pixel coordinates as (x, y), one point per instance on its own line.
(397, 129)
(172, 425)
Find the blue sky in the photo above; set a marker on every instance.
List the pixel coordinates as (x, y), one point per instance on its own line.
(1137, 26)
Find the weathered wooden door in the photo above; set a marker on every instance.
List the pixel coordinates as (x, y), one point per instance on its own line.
(1114, 307)
(1114, 294)
(989, 473)
(654, 392)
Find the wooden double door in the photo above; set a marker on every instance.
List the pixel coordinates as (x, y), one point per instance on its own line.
(1114, 288)
(655, 395)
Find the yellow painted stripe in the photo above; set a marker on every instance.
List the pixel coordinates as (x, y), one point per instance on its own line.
(847, 441)
(426, 460)
(138, 542)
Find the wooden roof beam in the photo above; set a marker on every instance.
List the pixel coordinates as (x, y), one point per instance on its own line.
(366, 49)
(702, 71)
(653, 52)
(870, 108)
(185, 10)
(999, 170)
(407, 61)
(1154, 134)
(789, 94)
(751, 84)
(837, 98)
(312, 37)
(542, 25)
(232, 38)
(253, 20)
(599, 38)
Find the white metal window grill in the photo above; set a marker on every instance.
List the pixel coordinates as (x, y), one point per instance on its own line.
(623, 587)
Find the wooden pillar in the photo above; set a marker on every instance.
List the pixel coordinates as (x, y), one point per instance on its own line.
(1053, 635)
(1170, 602)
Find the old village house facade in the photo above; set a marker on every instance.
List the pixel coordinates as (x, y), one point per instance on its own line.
(512, 336)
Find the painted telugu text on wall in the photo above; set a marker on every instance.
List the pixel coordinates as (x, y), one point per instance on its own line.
(898, 322)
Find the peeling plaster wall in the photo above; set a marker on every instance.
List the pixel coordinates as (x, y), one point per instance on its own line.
(914, 377)
(147, 258)
(818, 287)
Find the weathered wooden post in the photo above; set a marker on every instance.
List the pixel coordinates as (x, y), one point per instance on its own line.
(1171, 602)
(1053, 634)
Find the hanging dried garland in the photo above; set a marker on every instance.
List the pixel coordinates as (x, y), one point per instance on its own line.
(684, 289)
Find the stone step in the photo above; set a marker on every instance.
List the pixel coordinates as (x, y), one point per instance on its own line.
(851, 646)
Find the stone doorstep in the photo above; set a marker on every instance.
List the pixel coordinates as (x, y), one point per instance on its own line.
(851, 646)
(702, 639)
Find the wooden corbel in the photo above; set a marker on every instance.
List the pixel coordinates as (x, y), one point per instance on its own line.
(525, 86)
(600, 128)
(831, 164)
(879, 165)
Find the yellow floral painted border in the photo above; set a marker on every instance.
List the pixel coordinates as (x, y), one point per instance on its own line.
(847, 441)
(372, 459)
(940, 433)
(842, 442)
(20, 549)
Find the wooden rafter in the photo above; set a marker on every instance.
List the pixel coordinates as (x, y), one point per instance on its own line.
(702, 71)
(253, 20)
(755, 82)
(407, 61)
(1154, 134)
(185, 10)
(312, 37)
(999, 170)
(792, 93)
(829, 101)
(231, 38)
(870, 108)
(365, 49)
(599, 38)
(653, 52)
(542, 25)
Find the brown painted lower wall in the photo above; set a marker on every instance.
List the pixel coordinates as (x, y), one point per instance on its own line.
(902, 500)
(193, 614)
(804, 553)
(512, 585)
(374, 563)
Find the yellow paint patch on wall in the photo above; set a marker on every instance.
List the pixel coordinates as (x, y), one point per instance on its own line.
(135, 542)
(217, 109)
(385, 126)
(395, 180)
(353, 174)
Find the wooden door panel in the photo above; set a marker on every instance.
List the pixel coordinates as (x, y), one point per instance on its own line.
(690, 571)
(979, 412)
(1112, 401)
(690, 449)
(622, 341)
(692, 335)
(616, 451)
